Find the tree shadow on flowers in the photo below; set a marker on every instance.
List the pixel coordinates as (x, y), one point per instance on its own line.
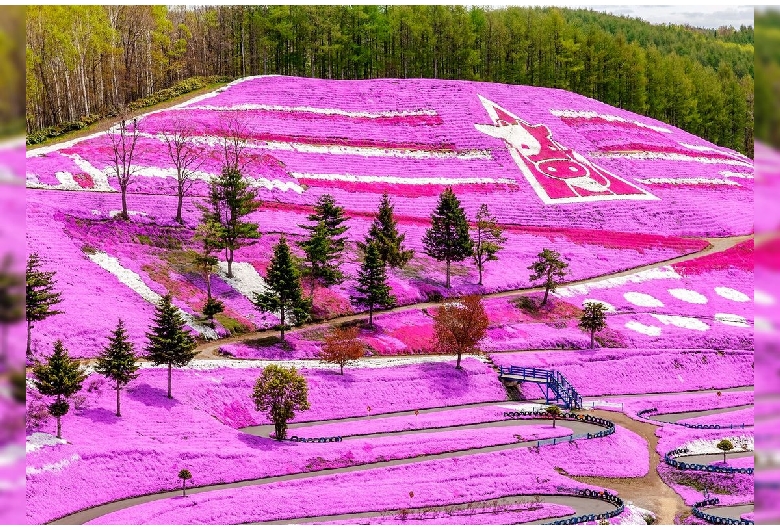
(443, 379)
(100, 415)
(261, 442)
(152, 396)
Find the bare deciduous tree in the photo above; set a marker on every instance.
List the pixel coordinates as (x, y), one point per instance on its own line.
(235, 137)
(186, 157)
(124, 140)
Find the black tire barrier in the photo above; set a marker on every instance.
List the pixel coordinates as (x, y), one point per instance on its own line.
(644, 415)
(670, 460)
(608, 497)
(716, 519)
(316, 440)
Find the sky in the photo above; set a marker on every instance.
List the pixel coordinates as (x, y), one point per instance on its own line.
(703, 16)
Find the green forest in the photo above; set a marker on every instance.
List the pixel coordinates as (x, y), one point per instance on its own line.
(86, 62)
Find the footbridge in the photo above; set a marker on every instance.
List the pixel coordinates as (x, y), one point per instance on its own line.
(552, 383)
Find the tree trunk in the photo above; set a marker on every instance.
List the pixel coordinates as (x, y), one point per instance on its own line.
(592, 334)
(448, 274)
(457, 364)
(282, 318)
(29, 335)
(170, 368)
(342, 369)
(553, 422)
(123, 189)
(59, 432)
(724, 457)
(118, 413)
(480, 274)
(371, 315)
(546, 293)
(178, 206)
(183, 488)
(208, 285)
(229, 256)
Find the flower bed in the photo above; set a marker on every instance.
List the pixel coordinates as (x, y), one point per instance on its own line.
(627, 371)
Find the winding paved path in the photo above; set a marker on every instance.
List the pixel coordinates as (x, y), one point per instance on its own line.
(677, 416)
(581, 505)
(659, 490)
(716, 244)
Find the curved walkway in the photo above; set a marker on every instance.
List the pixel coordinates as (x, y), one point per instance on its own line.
(678, 416)
(708, 458)
(208, 350)
(89, 514)
(581, 506)
(733, 512)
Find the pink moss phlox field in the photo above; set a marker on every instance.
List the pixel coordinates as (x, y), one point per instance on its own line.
(302, 147)
(729, 488)
(410, 421)
(162, 435)
(670, 404)
(504, 514)
(438, 482)
(626, 371)
(735, 417)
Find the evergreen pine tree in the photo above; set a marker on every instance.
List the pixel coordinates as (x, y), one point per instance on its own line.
(384, 233)
(372, 283)
(284, 287)
(327, 212)
(41, 296)
(448, 238)
(488, 240)
(169, 342)
(207, 234)
(593, 319)
(230, 201)
(118, 361)
(548, 267)
(317, 251)
(60, 377)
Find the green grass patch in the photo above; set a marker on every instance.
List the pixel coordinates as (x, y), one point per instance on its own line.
(230, 324)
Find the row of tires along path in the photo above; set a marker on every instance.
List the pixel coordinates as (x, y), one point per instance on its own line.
(581, 429)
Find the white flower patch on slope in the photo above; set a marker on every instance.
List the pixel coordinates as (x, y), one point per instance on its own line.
(57, 466)
(706, 447)
(689, 181)
(134, 282)
(642, 299)
(609, 308)
(245, 280)
(732, 294)
(387, 179)
(652, 331)
(665, 272)
(732, 320)
(390, 362)
(682, 322)
(763, 298)
(686, 295)
(316, 110)
(38, 440)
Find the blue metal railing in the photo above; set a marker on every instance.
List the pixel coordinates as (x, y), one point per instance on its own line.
(554, 380)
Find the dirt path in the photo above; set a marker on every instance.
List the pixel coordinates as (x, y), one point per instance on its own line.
(106, 123)
(649, 492)
(89, 514)
(208, 350)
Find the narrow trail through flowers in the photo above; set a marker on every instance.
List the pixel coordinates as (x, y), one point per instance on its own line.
(648, 491)
(210, 349)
